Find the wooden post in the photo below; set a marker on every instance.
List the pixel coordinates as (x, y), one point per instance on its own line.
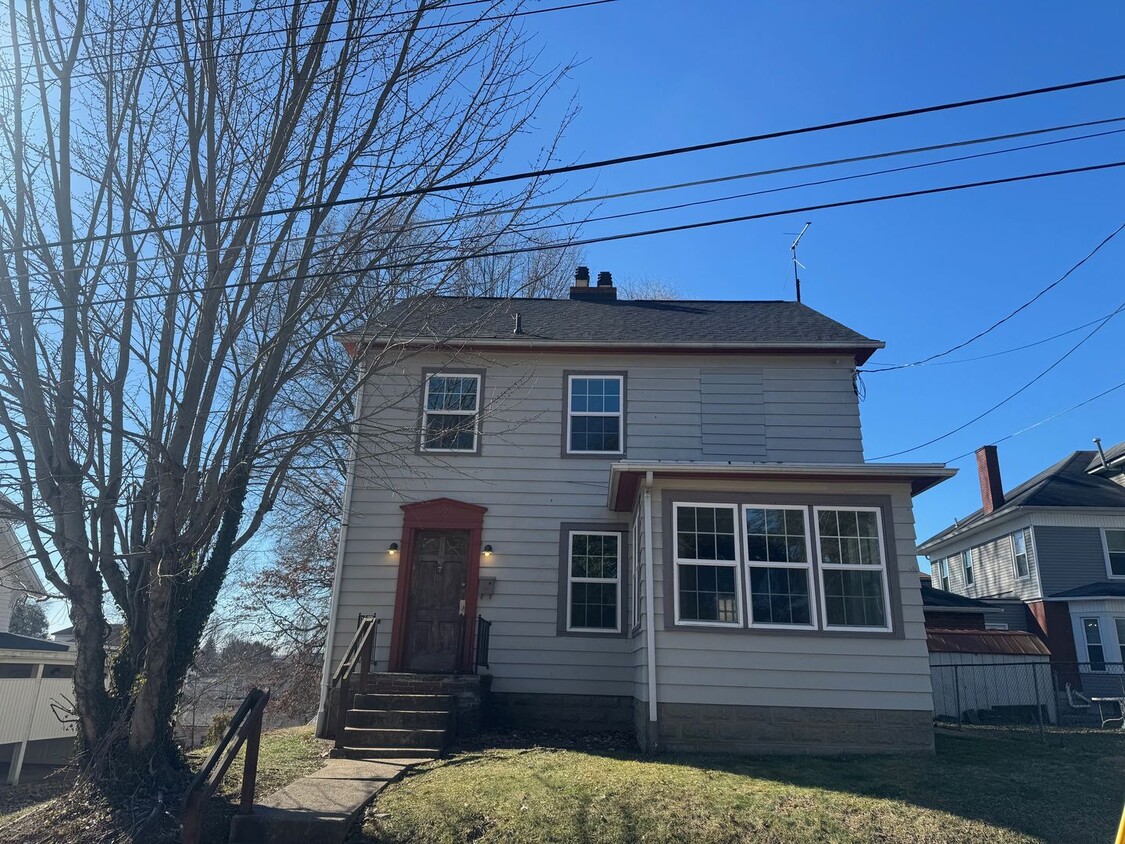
(250, 764)
(341, 711)
(365, 655)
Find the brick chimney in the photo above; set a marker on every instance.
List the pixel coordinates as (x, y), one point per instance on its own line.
(603, 292)
(988, 470)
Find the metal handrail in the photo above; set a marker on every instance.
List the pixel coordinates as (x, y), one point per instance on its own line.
(359, 650)
(244, 728)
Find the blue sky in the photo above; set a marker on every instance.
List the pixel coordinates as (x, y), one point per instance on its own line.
(921, 274)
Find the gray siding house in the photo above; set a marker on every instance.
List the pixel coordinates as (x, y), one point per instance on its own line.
(661, 510)
(1055, 544)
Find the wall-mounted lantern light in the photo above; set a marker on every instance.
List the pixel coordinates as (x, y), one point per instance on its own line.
(393, 549)
(487, 550)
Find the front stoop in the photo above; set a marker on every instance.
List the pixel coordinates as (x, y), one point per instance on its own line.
(322, 807)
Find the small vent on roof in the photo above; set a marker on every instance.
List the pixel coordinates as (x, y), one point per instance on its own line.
(519, 325)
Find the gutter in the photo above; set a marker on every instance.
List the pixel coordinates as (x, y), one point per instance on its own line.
(653, 730)
(338, 574)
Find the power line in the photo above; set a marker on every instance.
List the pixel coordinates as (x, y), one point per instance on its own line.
(574, 168)
(1043, 421)
(1101, 324)
(563, 224)
(601, 239)
(338, 40)
(1018, 310)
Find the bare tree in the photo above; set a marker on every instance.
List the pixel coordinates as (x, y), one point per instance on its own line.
(647, 287)
(175, 262)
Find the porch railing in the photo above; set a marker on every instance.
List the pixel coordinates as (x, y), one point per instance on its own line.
(359, 652)
(245, 728)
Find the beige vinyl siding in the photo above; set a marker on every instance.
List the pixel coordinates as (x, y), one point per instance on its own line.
(529, 488)
(994, 573)
(755, 667)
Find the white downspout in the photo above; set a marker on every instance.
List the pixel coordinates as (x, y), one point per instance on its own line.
(338, 574)
(650, 611)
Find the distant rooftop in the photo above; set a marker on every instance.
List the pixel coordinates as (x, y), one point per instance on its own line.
(1065, 484)
(772, 325)
(16, 642)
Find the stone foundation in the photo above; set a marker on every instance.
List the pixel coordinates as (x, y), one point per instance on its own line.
(586, 713)
(709, 728)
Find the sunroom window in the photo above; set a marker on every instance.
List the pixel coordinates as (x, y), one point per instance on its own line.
(853, 570)
(706, 565)
(778, 560)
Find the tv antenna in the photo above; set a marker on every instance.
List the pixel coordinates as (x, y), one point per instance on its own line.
(796, 263)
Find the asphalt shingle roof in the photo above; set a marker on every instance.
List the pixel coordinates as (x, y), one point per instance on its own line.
(1066, 484)
(627, 322)
(940, 599)
(1101, 589)
(14, 641)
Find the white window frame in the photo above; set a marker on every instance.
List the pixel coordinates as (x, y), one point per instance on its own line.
(620, 413)
(823, 567)
(1105, 551)
(943, 573)
(1086, 644)
(967, 567)
(635, 540)
(476, 414)
(1026, 556)
(735, 564)
(571, 579)
(807, 566)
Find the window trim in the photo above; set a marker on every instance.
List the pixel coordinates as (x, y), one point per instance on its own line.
(806, 566)
(428, 373)
(1105, 552)
(822, 567)
(1026, 556)
(571, 580)
(967, 567)
(1090, 663)
(735, 564)
(562, 614)
(943, 573)
(568, 378)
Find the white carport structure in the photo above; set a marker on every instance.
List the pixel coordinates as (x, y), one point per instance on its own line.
(36, 690)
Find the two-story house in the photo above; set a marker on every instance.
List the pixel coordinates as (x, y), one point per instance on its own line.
(1052, 550)
(662, 510)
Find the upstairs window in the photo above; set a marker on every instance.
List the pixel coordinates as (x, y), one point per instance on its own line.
(594, 414)
(1115, 552)
(968, 566)
(594, 578)
(943, 574)
(1019, 555)
(853, 571)
(706, 565)
(779, 565)
(451, 413)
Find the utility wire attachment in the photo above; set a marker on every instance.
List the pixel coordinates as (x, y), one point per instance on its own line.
(796, 263)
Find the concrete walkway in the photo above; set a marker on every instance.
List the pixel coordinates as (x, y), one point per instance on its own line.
(322, 807)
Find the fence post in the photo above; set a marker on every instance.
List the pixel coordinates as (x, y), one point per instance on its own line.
(250, 764)
(957, 693)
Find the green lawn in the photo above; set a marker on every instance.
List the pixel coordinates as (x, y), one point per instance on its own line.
(984, 785)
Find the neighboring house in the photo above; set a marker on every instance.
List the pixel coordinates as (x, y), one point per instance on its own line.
(1052, 550)
(18, 578)
(661, 508)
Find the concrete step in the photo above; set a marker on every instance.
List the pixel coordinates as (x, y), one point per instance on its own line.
(375, 737)
(388, 754)
(412, 702)
(411, 719)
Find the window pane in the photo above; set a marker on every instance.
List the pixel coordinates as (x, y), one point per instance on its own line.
(854, 599)
(705, 533)
(1115, 539)
(1117, 563)
(850, 537)
(775, 536)
(593, 556)
(1093, 632)
(595, 433)
(1095, 650)
(452, 392)
(450, 432)
(780, 596)
(707, 593)
(593, 605)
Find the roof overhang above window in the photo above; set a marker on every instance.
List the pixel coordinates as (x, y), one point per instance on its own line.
(626, 476)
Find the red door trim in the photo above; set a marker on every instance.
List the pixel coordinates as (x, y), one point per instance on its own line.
(437, 514)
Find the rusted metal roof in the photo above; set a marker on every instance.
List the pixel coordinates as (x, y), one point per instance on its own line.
(1012, 642)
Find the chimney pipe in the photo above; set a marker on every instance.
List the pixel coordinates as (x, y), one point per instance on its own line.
(988, 471)
(605, 279)
(582, 277)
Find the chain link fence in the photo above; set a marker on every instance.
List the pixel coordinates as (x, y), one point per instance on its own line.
(1034, 693)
